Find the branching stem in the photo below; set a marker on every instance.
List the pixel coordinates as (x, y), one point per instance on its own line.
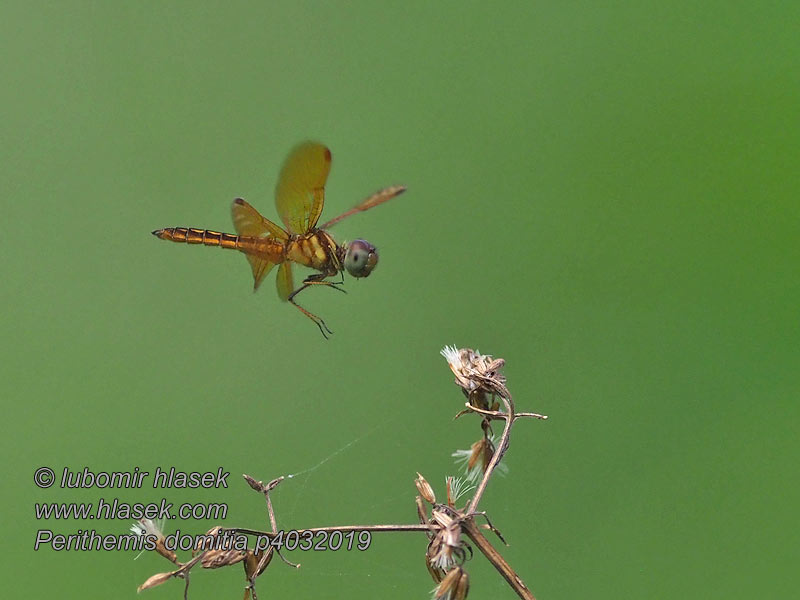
(509, 418)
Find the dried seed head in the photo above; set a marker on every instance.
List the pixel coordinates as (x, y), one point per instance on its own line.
(445, 548)
(207, 541)
(468, 459)
(153, 528)
(256, 485)
(451, 500)
(219, 548)
(462, 588)
(476, 459)
(155, 580)
(260, 486)
(148, 527)
(480, 449)
(454, 586)
(477, 374)
(436, 573)
(256, 562)
(445, 590)
(214, 559)
(487, 454)
(425, 489)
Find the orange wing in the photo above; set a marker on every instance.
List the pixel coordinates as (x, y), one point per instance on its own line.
(300, 192)
(248, 222)
(284, 281)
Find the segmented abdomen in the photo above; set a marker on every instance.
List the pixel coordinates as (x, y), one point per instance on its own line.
(197, 236)
(257, 246)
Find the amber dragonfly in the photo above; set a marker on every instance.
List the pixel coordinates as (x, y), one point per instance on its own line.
(299, 198)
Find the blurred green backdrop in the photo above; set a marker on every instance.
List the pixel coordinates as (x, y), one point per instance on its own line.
(605, 195)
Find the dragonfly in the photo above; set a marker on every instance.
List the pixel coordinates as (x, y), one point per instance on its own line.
(299, 198)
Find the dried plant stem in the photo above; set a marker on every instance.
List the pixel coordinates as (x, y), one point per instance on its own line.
(468, 525)
(271, 512)
(509, 418)
(330, 529)
(493, 556)
(501, 415)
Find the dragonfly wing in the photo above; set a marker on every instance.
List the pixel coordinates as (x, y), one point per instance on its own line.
(372, 201)
(261, 268)
(300, 192)
(249, 223)
(285, 281)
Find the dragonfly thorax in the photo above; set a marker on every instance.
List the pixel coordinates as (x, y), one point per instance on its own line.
(315, 249)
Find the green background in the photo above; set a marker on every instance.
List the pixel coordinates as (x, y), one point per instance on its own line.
(604, 195)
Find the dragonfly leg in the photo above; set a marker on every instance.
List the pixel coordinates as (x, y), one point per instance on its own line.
(319, 279)
(323, 328)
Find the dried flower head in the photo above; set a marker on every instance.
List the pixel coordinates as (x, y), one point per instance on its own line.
(216, 558)
(454, 586)
(476, 458)
(256, 561)
(446, 548)
(477, 374)
(153, 529)
(425, 489)
(219, 549)
(148, 527)
(155, 580)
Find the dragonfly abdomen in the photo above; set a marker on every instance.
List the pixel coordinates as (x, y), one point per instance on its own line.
(188, 235)
(258, 246)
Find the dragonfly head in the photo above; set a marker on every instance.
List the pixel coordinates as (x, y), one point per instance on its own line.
(360, 258)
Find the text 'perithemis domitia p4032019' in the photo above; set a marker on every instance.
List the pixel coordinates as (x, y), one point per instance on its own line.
(299, 197)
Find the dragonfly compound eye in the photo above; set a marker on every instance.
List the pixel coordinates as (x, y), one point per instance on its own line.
(361, 258)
